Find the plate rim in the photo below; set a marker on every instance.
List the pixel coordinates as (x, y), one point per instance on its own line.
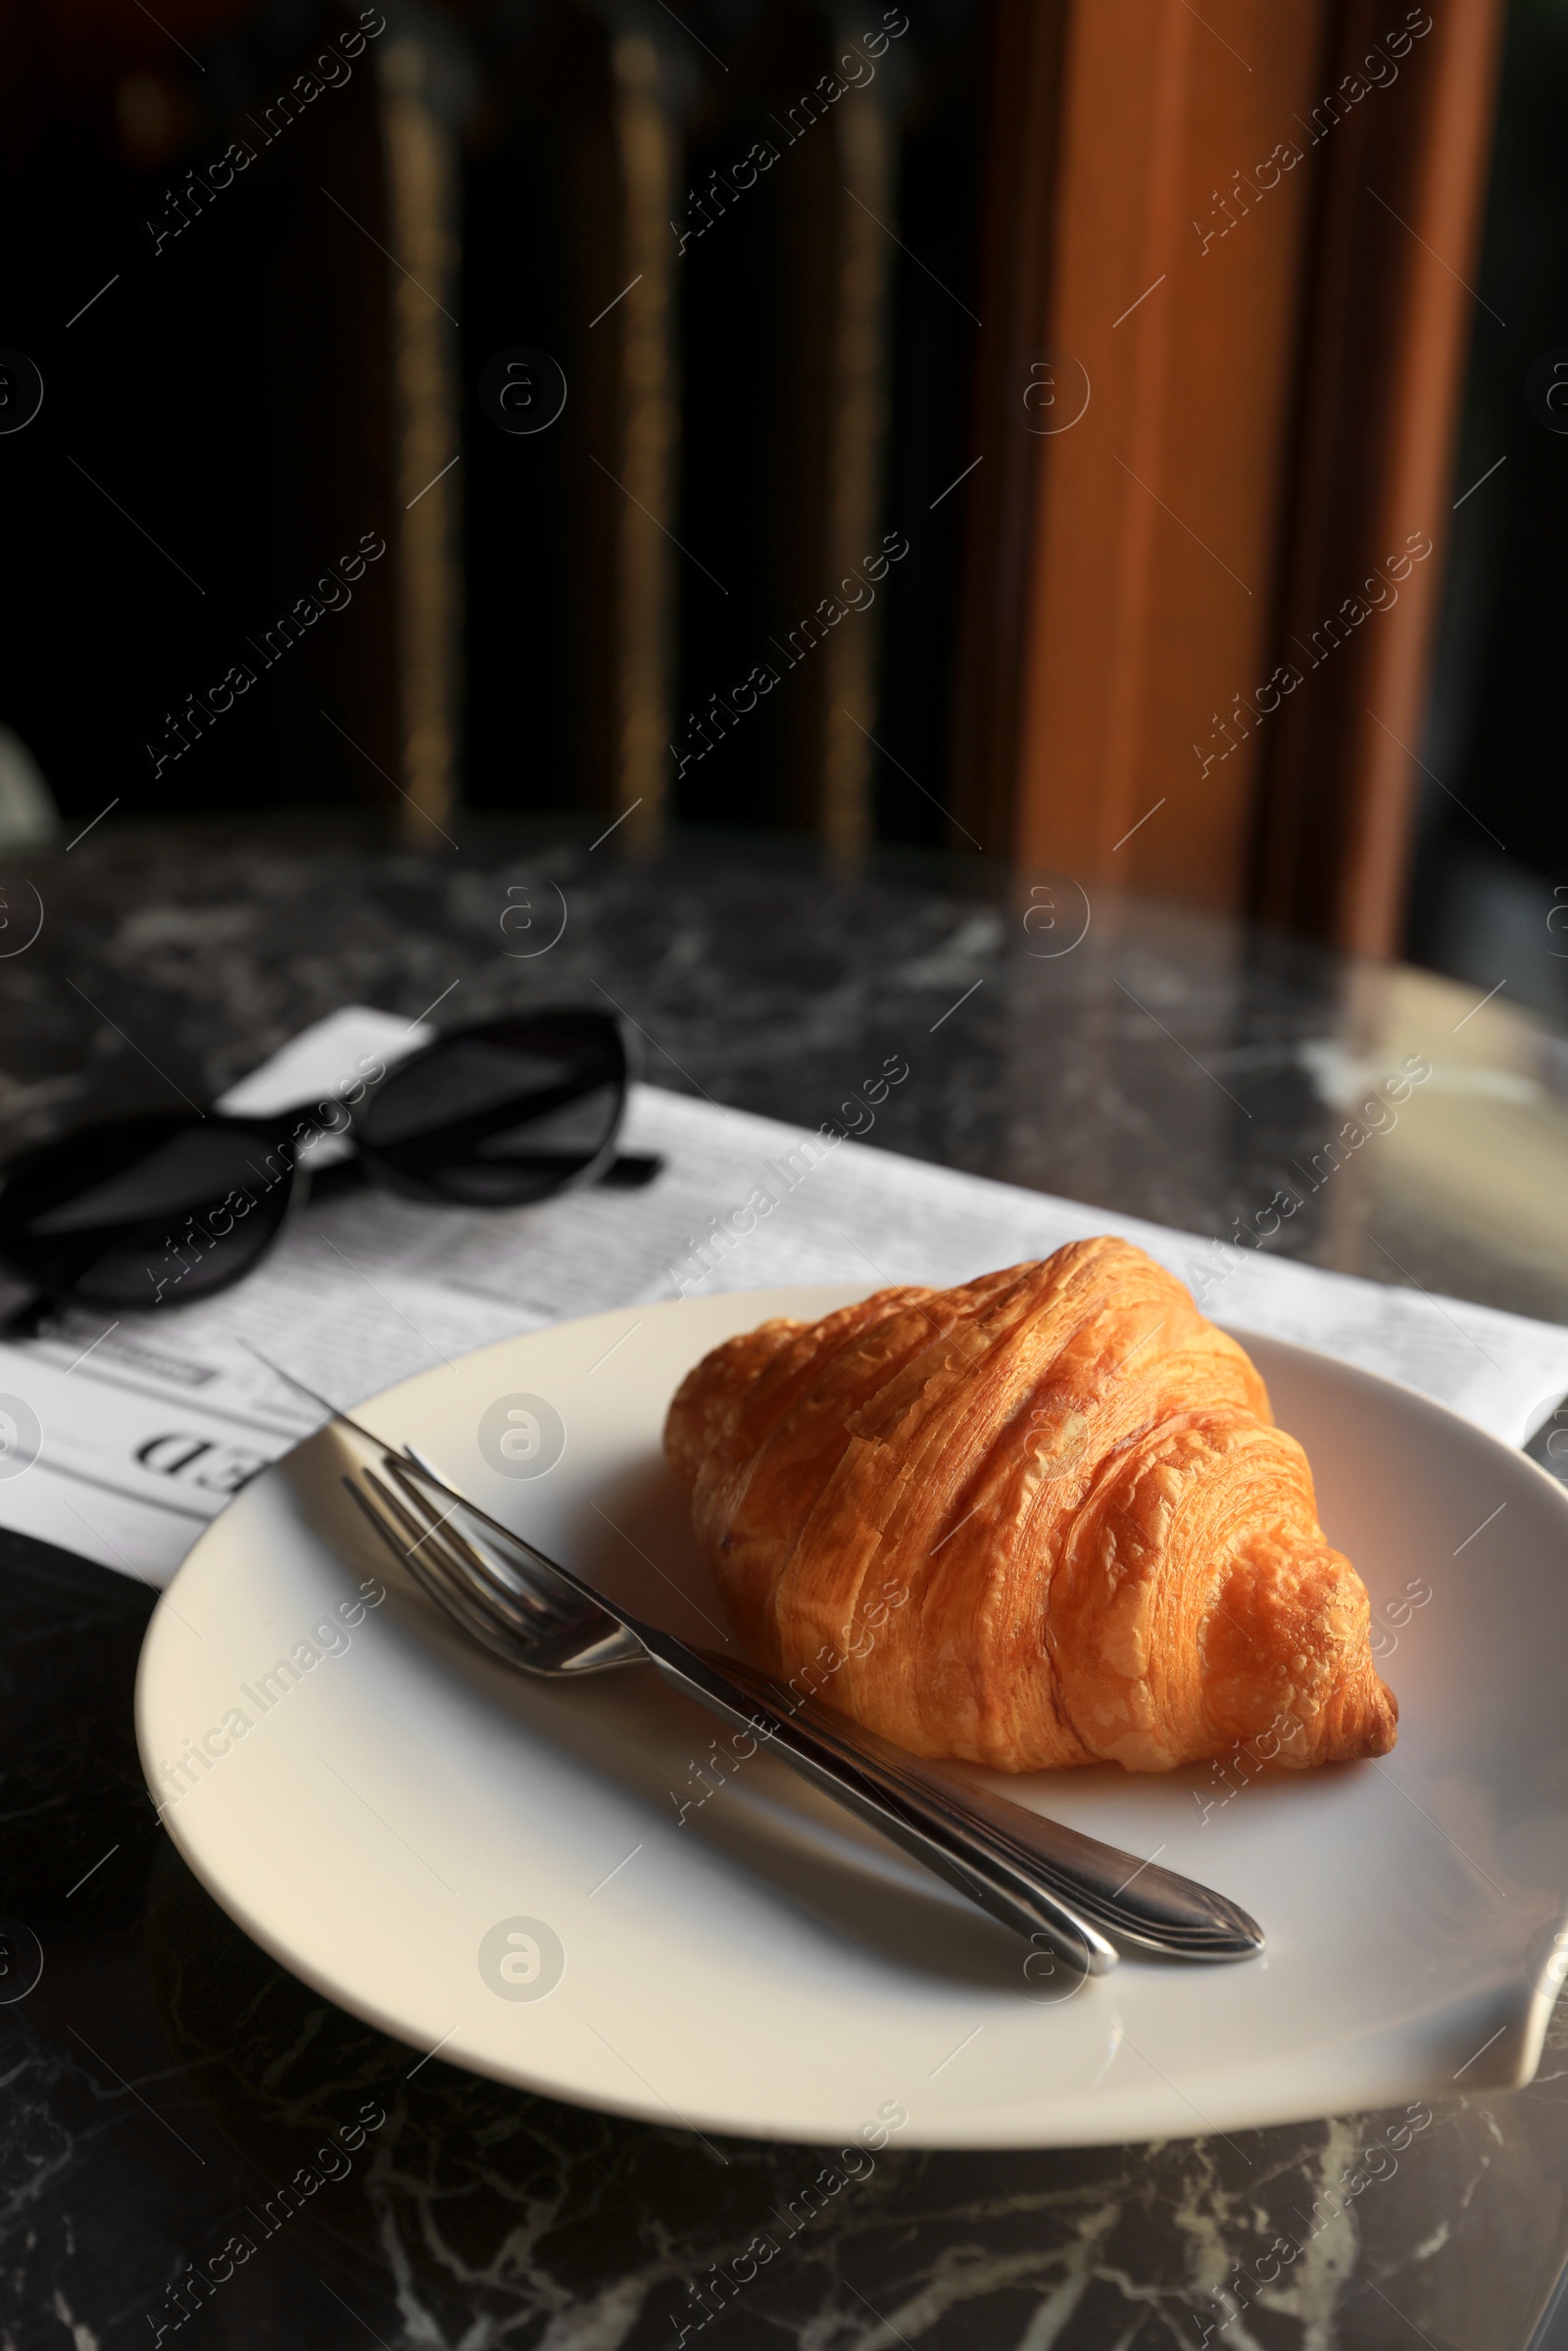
(1518, 1990)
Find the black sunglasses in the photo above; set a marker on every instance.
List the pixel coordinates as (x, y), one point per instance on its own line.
(173, 1207)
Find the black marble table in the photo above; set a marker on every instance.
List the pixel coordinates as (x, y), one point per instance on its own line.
(164, 2078)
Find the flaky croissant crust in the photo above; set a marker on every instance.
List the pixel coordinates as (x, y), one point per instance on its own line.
(1040, 1519)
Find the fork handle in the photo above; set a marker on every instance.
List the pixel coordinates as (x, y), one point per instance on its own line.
(917, 1815)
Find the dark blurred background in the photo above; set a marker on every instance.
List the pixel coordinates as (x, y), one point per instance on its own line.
(226, 420)
(969, 407)
(1492, 847)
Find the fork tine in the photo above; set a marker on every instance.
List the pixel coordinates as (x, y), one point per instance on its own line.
(516, 1593)
(430, 1557)
(441, 1548)
(395, 1507)
(567, 1627)
(438, 1538)
(470, 1619)
(541, 1574)
(533, 1639)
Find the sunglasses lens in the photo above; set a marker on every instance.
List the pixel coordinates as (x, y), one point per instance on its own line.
(143, 1210)
(496, 1117)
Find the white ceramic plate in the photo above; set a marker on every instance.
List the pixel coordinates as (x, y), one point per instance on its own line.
(763, 1966)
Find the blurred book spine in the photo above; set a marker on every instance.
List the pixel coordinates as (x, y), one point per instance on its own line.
(423, 188)
(649, 146)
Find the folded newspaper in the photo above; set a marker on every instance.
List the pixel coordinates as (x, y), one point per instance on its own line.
(121, 1439)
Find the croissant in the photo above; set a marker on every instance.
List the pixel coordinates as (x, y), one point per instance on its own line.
(1041, 1519)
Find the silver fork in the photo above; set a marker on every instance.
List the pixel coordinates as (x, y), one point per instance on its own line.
(1049, 1883)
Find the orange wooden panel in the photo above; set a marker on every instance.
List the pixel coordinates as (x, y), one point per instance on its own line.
(1179, 243)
